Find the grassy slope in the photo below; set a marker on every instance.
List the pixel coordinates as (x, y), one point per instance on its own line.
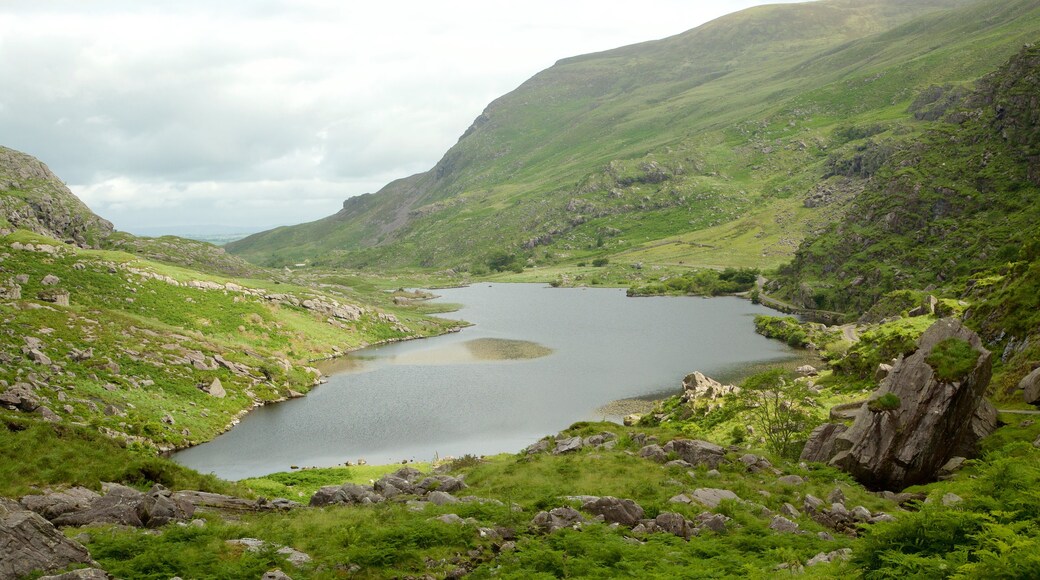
(141, 331)
(732, 126)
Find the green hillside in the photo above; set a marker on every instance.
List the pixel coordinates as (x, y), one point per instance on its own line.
(719, 133)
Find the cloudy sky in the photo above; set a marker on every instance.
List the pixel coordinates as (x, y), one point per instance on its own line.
(171, 116)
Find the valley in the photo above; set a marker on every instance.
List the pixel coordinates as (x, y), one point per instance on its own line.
(415, 386)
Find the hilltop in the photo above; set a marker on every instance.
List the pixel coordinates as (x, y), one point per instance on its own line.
(705, 148)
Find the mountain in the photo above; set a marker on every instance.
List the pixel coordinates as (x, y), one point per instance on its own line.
(713, 132)
(33, 198)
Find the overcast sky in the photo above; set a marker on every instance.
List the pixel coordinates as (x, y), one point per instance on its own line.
(252, 114)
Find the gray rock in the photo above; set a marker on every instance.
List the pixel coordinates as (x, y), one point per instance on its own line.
(52, 505)
(538, 447)
(951, 499)
(444, 483)
(292, 555)
(782, 525)
(615, 511)
(567, 445)
(674, 524)
(807, 371)
(696, 452)
(820, 446)
(755, 463)
(711, 497)
(714, 522)
(790, 511)
(697, 387)
(29, 543)
(159, 507)
(1030, 385)
(653, 453)
(861, 514)
(450, 519)
(50, 280)
(791, 480)
(950, 467)
(678, 463)
(935, 419)
(214, 389)
(836, 496)
(825, 558)
(681, 498)
(20, 396)
(81, 574)
(441, 498)
(275, 574)
(557, 519)
(117, 506)
(48, 415)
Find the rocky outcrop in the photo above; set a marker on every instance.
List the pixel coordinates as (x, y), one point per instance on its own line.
(435, 489)
(696, 452)
(119, 505)
(933, 420)
(615, 511)
(43, 204)
(699, 388)
(29, 543)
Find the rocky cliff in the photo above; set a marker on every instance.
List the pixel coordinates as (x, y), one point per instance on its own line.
(33, 198)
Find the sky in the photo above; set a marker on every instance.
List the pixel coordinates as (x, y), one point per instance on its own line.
(196, 116)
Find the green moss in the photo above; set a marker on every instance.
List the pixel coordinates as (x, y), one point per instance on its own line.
(886, 402)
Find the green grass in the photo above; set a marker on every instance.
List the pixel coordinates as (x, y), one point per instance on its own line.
(952, 359)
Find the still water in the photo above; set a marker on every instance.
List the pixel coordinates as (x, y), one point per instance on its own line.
(537, 360)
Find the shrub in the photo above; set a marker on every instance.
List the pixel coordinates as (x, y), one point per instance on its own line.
(952, 359)
(600, 262)
(886, 402)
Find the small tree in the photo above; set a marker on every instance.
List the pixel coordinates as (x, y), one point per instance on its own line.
(780, 407)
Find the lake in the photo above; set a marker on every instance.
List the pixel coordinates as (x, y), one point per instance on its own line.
(536, 360)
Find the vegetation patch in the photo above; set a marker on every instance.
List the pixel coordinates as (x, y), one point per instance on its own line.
(952, 359)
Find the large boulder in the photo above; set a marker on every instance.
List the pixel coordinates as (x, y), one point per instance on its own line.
(892, 447)
(696, 452)
(615, 511)
(29, 543)
(1030, 386)
(698, 387)
(159, 507)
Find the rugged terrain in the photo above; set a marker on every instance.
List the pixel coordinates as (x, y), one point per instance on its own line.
(911, 451)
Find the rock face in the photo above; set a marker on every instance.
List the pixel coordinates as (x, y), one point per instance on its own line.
(820, 446)
(29, 543)
(935, 419)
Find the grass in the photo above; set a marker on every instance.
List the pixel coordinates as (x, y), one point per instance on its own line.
(952, 359)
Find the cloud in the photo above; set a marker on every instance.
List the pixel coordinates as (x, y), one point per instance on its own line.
(246, 112)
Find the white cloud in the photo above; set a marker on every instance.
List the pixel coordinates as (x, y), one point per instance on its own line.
(269, 112)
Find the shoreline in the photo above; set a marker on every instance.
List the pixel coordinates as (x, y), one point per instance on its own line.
(613, 409)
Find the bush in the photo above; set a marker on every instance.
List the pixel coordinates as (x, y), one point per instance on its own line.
(600, 262)
(779, 406)
(886, 402)
(952, 359)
